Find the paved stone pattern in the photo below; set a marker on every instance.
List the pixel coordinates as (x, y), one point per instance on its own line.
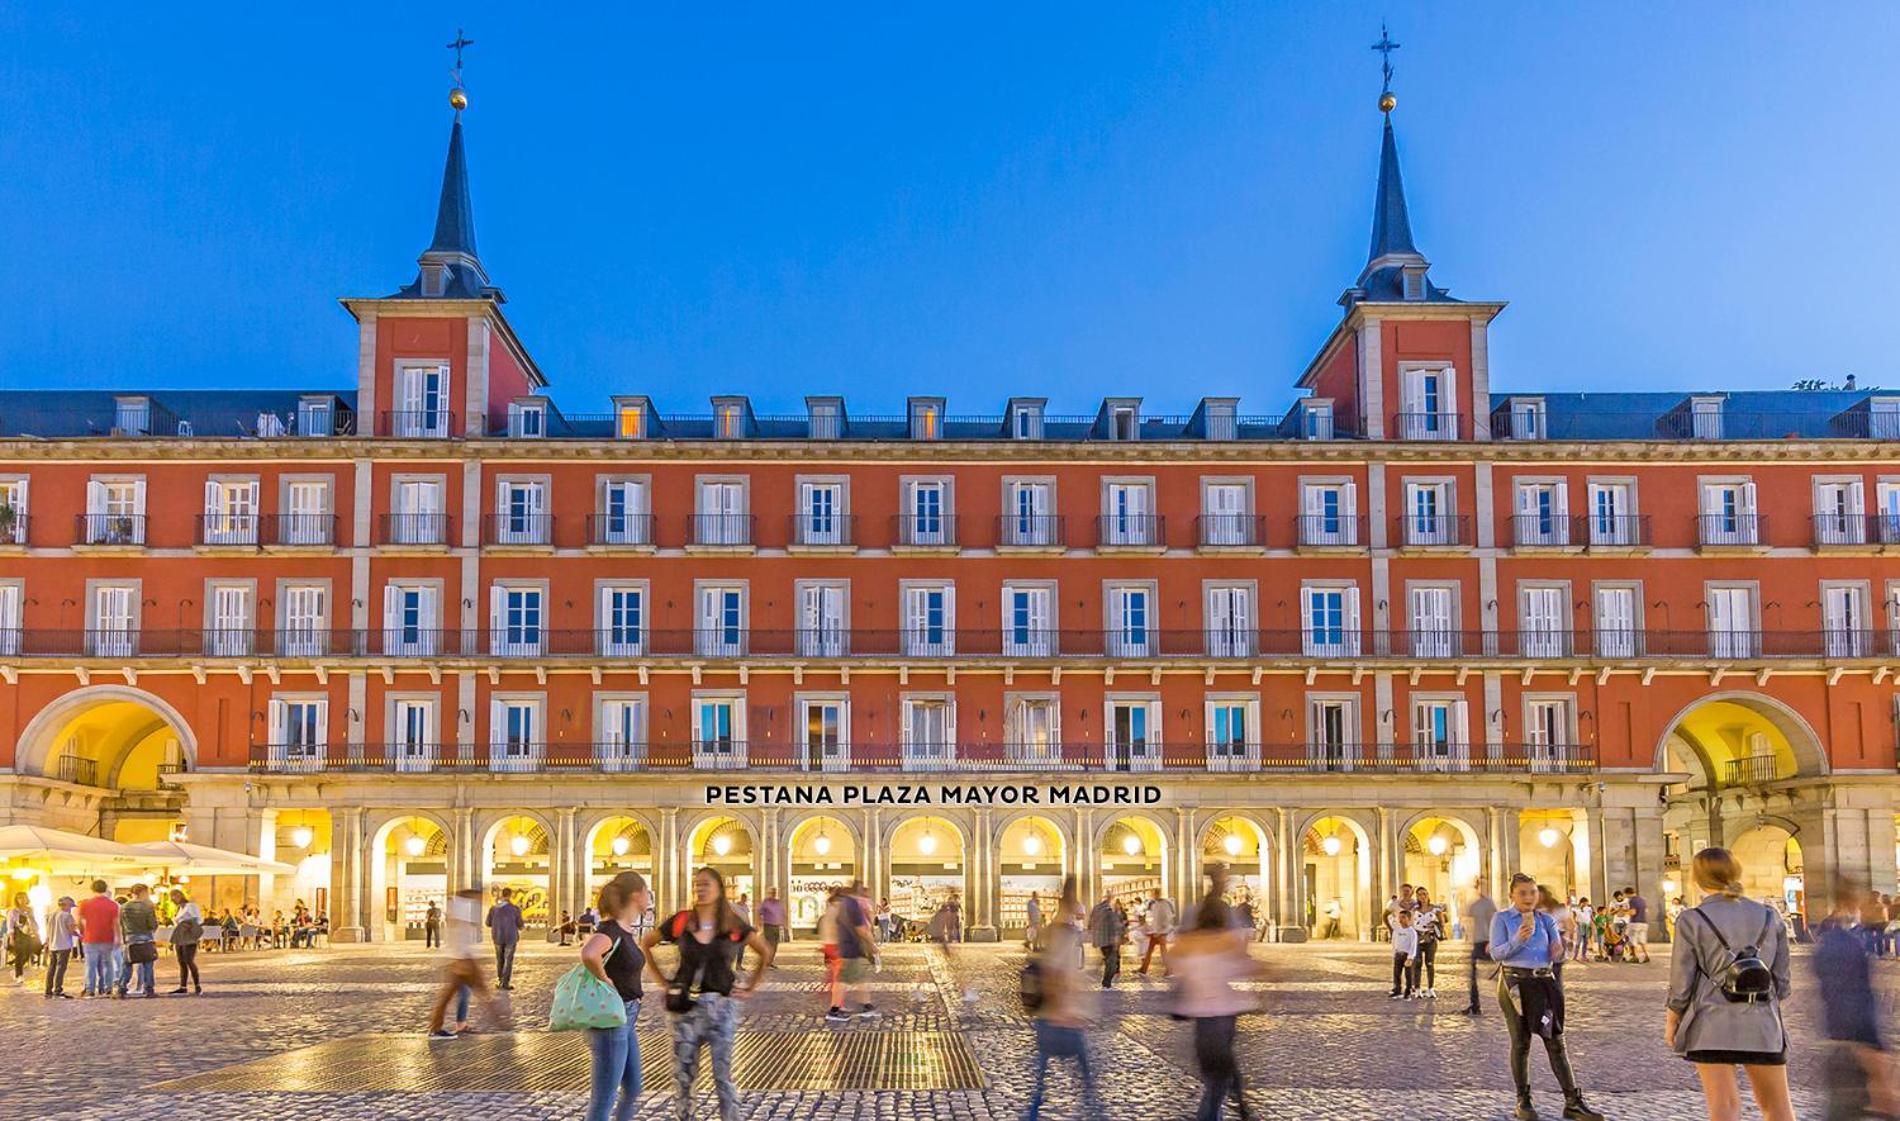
(1328, 1047)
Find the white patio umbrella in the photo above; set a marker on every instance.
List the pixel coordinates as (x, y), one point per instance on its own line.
(204, 860)
(60, 852)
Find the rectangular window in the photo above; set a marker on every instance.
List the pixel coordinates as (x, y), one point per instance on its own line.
(1613, 515)
(230, 514)
(1430, 412)
(1728, 514)
(515, 741)
(1327, 515)
(132, 416)
(1134, 742)
(1129, 520)
(1837, 513)
(1428, 518)
(821, 620)
(422, 402)
(825, 421)
(527, 421)
(930, 728)
(517, 623)
(1542, 515)
(630, 421)
(1846, 633)
(825, 723)
(926, 421)
(623, 514)
(12, 596)
(1527, 420)
(1616, 631)
(1434, 631)
(721, 632)
(1547, 738)
(410, 622)
(1034, 731)
(1316, 420)
(1545, 621)
(1331, 617)
(1029, 520)
(115, 512)
(521, 512)
(1438, 734)
(929, 621)
(306, 519)
(1731, 619)
(412, 738)
(305, 609)
(1027, 630)
(722, 514)
(1706, 418)
(821, 514)
(13, 511)
(1225, 519)
(927, 516)
(1332, 733)
(622, 620)
(231, 621)
(316, 416)
(299, 727)
(1130, 621)
(114, 632)
(416, 516)
(623, 733)
(1232, 742)
(1230, 621)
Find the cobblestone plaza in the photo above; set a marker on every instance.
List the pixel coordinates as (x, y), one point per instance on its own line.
(336, 1033)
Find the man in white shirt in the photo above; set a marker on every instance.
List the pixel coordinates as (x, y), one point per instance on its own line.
(1160, 919)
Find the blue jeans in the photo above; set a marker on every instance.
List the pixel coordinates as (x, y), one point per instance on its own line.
(102, 967)
(616, 1067)
(1055, 1041)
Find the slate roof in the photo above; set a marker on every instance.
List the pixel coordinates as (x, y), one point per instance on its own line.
(1761, 414)
(205, 413)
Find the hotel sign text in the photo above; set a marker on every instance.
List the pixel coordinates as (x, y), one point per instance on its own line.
(935, 794)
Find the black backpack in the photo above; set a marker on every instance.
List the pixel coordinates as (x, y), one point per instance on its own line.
(1747, 980)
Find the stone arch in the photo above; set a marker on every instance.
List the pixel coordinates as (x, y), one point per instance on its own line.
(1021, 873)
(490, 823)
(380, 858)
(589, 829)
(389, 819)
(852, 823)
(34, 751)
(1810, 758)
(1154, 821)
(964, 829)
(1354, 887)
(1065, 835)
(1254, 877)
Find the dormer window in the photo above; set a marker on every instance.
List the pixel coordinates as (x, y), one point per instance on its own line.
(1316, 420)
(1414, 283)
(1124, 424)
(825, 418)
(435, 280)
(133, 417)
(729, 422)
(1220, 419)
(1025, 420)
(1883, 418)
(1528, 420)
(1705, 418)
(316, 416)
(926, 419)
(528, 420)
(630, 419)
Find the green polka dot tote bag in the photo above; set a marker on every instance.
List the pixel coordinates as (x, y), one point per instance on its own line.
(582, 1000)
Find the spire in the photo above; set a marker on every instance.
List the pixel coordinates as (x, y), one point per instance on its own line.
(450, 267)
(454, 216)
(1391, 224)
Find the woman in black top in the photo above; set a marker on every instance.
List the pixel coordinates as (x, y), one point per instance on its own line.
(612, 954)
(704, 994)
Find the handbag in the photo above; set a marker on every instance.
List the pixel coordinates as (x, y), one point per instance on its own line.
(582, 1000)
(140, 953)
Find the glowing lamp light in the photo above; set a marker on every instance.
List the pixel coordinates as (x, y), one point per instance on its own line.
(415, 845)
(1231, 843)
(1331, 845)
(1032, 844)
(1131, 845)
(1437, 845)
(621, 845)
(518, 844)
(1669, 887)
(40, 896)
(23, 874)
(927, 843)
(821, 845)
(1548, 837)
(302, 836)
(721, 845)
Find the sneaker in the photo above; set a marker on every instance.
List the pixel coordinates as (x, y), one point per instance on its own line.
(180, 991)
(837, 1015)
(1392, 995)
(869, 1013)
(1431, 994)
(441, 1033)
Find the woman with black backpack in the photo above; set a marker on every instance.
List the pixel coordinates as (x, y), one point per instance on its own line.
(1727, 979)
(704, 993)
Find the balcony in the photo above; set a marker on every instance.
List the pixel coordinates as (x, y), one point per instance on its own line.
(924, 532)
(1329, 531)
(110, 530)
(720, 532)
(1131, 532)
(820, 532)
(1231, 531)
(620, 531)
(521, 531)
(1429, 426)
(289, 531)
(774, 753)
(417, 424)
(1032, 531)
(1850, 531)
(1753, 770)
(1732, 531)
(77, 770)
(1433, 531)
(1547, 531)
(13, 528)
(428, 531)
(228, 530)
(1617, 531)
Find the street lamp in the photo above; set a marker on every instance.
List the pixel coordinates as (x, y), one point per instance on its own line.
(518, 844)
(1437, 845)
(821, 844)
(1231, 843)
(415, 844)
(927, 843)
(1331, 845)
(302, 836)
(1032, 844)
(621, 845)
(1131, 844)
(721, 845)
(1548, 837)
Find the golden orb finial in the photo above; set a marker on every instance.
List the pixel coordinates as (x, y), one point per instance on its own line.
(1388, 101)
(458, 97)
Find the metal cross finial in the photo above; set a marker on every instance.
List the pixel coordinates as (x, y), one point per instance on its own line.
(461, 41)
(1385, 46)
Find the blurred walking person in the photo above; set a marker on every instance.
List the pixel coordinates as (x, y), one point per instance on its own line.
(1727, 978)
(1032, 918)
(612, 954)
(1859, 1074)
(1525, 942)
(188, 928)
(1478, 915)
(1108, 928)
(504, 925)
(1207, 960)
(1056, 994)
(462, 972)
(772, 921)
(1159, 917)
(704, 994)
(22, 936)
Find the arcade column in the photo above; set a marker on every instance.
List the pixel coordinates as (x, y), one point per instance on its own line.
(349, 875)
(984, 903)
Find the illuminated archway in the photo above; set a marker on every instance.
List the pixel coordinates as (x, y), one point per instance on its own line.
(1738, 738)
(613, 845)
(1133, 852)
(1772, 869)
(1032, 858)
(409, 870)
(726, 845)
(824, 855)
(1554, 849)
(1239, 846)
(113, 736)
(515, 855)
(1443, 855)
(1336, 868)
(928, 868)
(302, 839)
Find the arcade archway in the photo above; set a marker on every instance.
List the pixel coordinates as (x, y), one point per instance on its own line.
(614, 845)
(1032, 858)
(928, 868)
(1554, 849)
(824, 855)
(726, 845)
(1336, 878)
(515, 855)
(1443, 855)
(1238, 846)
(1770, 857)
(409, 870)
(1134, 859)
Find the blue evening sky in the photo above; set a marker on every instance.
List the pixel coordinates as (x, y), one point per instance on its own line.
(975, 200)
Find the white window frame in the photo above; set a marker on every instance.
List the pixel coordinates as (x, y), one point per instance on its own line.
(717, 522)
(1033, 633)
(412, 523)
(1846, 638)
(404, 753)
(924, 753)
(506, 755)
(1322, 527)
(224, 636)
(1349, 705)
(14, 493)
(12, 616)
(610, 640)
(1420, 418)
(231, 510)
(1020, 731)
(822, 633)
(621, 727)
(635, 515)
(104, 641)
(1122, 638)
(1721, 524)
(1434, 634)
(113, 518)
(1223, 527)
(1129, 524)
(916, 633)
(1232, 637)
(419, 419)
(527, 638)
(300, 635)
(1621, 528)
(424, 639)
(1540, 524)
(832, 757)
(1455, 753)
(719, 749)
(1842, 523)
(1143, 754)
(1612, 640)
(1317, 642)
(714, 633)
(919, 527)
(1729, 641)
(527, 521)
(1536, 641)
(1029, 511)
(305, 748)
(1224, 753)
(1544, 751)
(823, 512)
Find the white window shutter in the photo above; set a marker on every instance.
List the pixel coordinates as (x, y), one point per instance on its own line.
(138, 496)
(214, 497)
(277, 720)
(1748, 498)
(95, 497)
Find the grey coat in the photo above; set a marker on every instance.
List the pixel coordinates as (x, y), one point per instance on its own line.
(1710, 1022)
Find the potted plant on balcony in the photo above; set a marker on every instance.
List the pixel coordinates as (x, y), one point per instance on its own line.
(119, 530)
(9, 523)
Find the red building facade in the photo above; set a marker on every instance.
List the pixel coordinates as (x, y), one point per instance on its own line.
(434, 632)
